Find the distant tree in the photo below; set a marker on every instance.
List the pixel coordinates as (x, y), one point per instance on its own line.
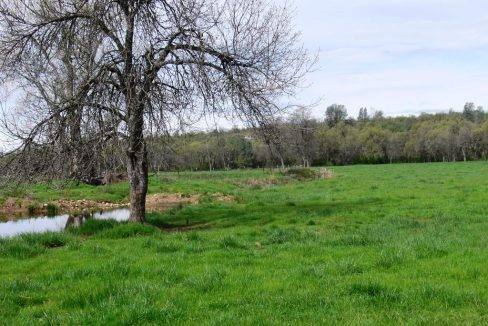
(375, 143)
(473, 113)
(465, 138)
(238, 151)
(439, 141)
(482, 140)
(330, 140)
(469, 111)
(378, 115)
(335, 114)
(261, 154)
(363, 115)
(395, 146)
(302, 134)
(480, 115)
(350, 145)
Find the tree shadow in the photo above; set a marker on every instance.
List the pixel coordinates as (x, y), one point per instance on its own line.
(246, 214)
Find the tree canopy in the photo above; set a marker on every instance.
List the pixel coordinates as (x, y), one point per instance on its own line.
(120, 70)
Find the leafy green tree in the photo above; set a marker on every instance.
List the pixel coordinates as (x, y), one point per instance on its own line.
(481, 135)
(374, 144)
(239, 151)
(363, 115)
(469, 111)
(335, 114)
(378, 115)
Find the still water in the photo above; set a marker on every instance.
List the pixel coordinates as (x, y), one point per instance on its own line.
(57, 223)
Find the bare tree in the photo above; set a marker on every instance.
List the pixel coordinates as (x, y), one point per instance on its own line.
(302, 134)
(60, 137)
(160, 62)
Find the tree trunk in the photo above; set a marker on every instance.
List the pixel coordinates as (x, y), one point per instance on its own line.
(137, 170)
(137, 165)
(282, 163)
(76, 172)
(74, 93)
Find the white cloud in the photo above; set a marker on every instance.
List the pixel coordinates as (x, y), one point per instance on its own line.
(401, 56)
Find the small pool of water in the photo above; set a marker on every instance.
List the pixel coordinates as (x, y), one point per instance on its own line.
(57, 223)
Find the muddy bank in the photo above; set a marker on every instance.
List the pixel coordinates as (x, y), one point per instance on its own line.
(18, 208)
(15, 208)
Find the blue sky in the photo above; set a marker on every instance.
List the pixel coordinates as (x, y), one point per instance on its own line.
(398, 56)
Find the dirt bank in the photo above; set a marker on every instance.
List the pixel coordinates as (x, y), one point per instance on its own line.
(15, 207)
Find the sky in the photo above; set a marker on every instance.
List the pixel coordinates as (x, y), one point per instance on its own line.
(399, 56)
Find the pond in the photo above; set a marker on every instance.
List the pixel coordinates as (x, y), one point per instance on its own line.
(57, 223)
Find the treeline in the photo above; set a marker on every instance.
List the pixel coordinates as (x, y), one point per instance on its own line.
(299, 140)
(336, 140)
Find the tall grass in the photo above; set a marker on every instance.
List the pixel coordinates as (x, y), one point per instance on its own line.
(403, 244)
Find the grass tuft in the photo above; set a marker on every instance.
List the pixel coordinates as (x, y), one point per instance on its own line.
(127, 230)
(230, 242)
(20, 249)
(375, 292)
(91, 227)
(32, 245)
(280, 236)
(301, 173)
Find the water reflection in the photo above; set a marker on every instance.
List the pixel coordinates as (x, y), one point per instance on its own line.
(119, 215)
(57, 223)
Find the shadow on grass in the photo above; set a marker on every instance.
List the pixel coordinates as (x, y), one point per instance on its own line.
(210, 215)
(198, 217)
(32, 245)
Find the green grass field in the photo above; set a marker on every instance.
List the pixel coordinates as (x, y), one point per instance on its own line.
(373, 245)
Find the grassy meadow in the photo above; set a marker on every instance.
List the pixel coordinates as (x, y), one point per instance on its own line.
(379, 244)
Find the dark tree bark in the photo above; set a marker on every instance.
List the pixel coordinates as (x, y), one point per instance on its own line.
(137, 170)
(137, 164)
(76, 145)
